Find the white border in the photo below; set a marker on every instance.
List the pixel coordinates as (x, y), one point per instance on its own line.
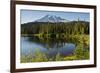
(59, 63)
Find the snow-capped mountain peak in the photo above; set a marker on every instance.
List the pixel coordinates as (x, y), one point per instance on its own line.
(51, 18)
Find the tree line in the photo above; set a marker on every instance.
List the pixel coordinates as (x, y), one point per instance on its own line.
(68, 28)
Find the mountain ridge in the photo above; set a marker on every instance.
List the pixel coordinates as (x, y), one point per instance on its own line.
(51, 18)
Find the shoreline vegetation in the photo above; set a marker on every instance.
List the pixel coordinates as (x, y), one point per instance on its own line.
(81, 52)
(76, 32)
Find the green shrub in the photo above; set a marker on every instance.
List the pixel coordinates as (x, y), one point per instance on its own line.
(81, 53)
(40, 57)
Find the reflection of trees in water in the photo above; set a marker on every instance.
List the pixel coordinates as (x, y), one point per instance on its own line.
(48, 42)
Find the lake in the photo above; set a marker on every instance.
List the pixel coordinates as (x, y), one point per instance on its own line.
(49, 46)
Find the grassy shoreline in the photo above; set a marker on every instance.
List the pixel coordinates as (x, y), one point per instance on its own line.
(81, 41)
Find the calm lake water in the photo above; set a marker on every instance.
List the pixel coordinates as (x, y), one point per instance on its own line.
(49, 46)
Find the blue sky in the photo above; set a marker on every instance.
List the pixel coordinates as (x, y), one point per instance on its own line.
(32, 15)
